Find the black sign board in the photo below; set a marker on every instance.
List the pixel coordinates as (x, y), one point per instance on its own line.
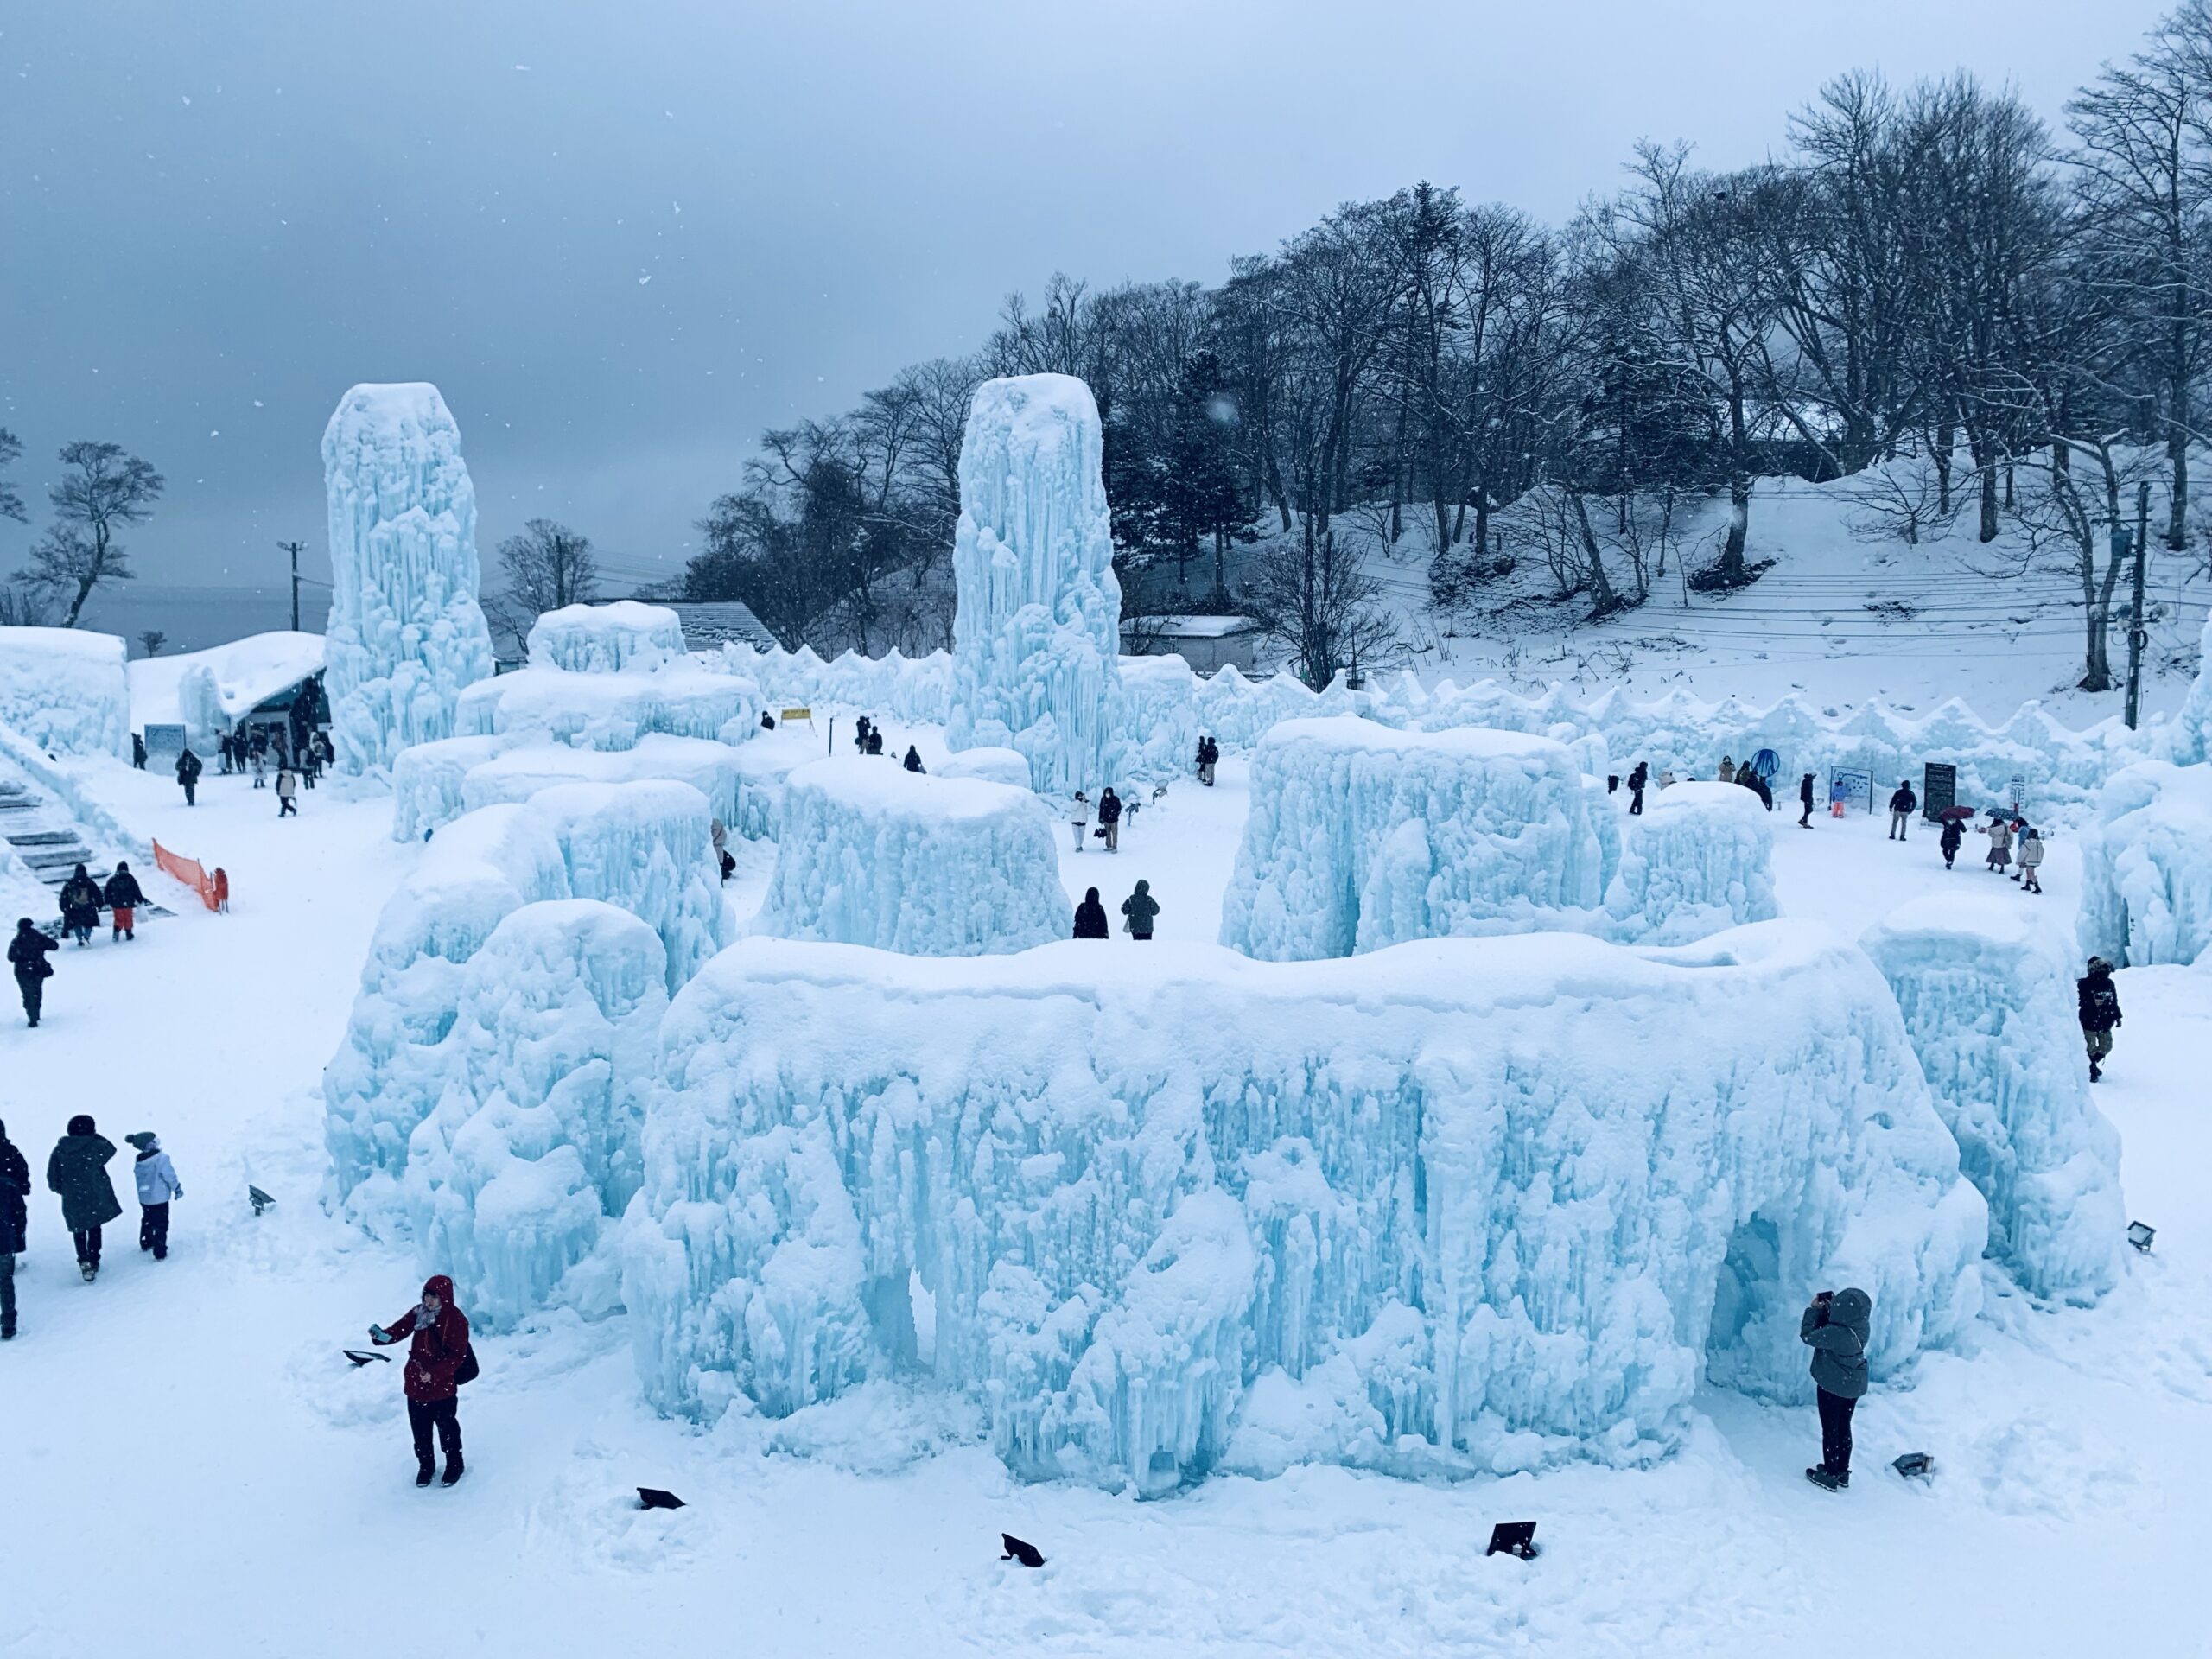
(1939, 789)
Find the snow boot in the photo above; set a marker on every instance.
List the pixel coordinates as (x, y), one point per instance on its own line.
(426, 1470)
(1821, 1478)
(2095, 1072)
(453, 1468)
(90, 1272)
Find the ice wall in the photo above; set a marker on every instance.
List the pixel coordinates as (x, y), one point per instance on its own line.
(644, 846)
(65, 691)
(405, 635)
(606, 638)
(2146, 867)
(611, 711)
(1507, 1195)
(532, 1144)
(2192, 729)
(1360, 836)
(1036, 642)
(1699, 858)
(1988, 996)
(869, 853)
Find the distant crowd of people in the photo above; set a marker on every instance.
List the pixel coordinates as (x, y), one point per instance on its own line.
(259, 750)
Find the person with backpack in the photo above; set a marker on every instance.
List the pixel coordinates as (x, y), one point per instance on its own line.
(2100, 1013)
(1139, 910)
(187, 773)
(26, 954)
(76, 1172)
(288, 791)
(2030, 860)
(80, 907)
(1837, 1328)
(876, 739)
(1902, 807)
(1805, 802)
(15, 1224)
(2000, 842)
(440, 1359)
(157, 1185)
(1953, 833)
(1090, 917)
(123, 897)
(1110, 817)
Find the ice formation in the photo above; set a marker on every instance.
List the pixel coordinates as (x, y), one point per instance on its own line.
(532, 1145)
(1698, 859)
(405, 634)
(993, 765)
(612, 710)
(606, 638)
(1360, 836)
(64, 690)
(1502, 1199)
(2192, 729)
(869, 853)
(2146, 867)
(1037, 638)
(1987, 996)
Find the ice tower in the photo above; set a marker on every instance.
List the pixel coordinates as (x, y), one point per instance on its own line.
(405, 633)
(1037, 637)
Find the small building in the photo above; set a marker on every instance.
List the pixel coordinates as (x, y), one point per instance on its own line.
(1207, 643)
(711, 622)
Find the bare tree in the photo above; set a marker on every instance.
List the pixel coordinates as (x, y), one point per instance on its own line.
(22, 606)
(11, 499)
(1315, 596)
(545, 565)
(150, 640)
(102, 491)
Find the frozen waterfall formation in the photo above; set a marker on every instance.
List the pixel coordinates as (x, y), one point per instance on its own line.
(1987, 996)
(405, 635)
(1465, 1203)
(488, 1097)
(1361, 836)
(1036, 643)
(869, 853)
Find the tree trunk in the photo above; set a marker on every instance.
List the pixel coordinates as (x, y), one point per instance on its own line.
(1988, 469)
(2178, 458)
(1739, 522)
(1941, 444)
(1603, 601)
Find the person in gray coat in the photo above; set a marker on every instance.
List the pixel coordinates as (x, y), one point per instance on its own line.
(1836, 1328)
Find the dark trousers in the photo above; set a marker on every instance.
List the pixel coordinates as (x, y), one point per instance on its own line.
(88, 1247)
(188, 789)
(7, 1293)
(287, 807)
(1635, 801)
(154, 1229)
(423, 1413)
(34, 992)
(1835, 1431)
(1805, 818)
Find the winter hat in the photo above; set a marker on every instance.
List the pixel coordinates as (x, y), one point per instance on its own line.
(143, 1141)
(81, 1124)
(122, 865)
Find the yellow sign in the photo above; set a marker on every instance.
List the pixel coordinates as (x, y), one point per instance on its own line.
(789, 715)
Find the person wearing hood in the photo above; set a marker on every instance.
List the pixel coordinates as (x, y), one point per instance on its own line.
(124, 896)
(1837, 1327)
(187, 773)
(2000, 842)
(913, 761)
(1727, 773)
(15, 1222)
(438, 1361)
(2100, 1013)
(77, 1173)
(80, 907)
(157, 1185)
(1805, 802)
(1090, 917)
(1140, 910)
(2031, 860)
(26, 954)
(288, 790)
(1639, 779)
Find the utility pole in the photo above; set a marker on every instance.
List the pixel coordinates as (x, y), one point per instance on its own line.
(2135, 632)
(293, 548)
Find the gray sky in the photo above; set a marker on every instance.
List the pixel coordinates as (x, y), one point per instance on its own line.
(622, 238)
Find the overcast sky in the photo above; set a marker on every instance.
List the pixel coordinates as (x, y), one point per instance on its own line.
(622, 238)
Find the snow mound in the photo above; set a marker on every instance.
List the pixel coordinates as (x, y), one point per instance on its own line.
(2146, 867)
(606, 638)
(65, 691)
(1987, 996)
(1699, 858)
(405, 634)
(1036, 641)
(1507, 1195)
(993, 765)
(208, 692)
(611, 711)
(869, 853)
(1360, 837)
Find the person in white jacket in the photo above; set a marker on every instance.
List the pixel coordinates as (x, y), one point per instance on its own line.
(1079, 818)
(157, 1185)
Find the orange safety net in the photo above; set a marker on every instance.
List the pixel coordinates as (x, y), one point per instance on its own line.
(214, 890)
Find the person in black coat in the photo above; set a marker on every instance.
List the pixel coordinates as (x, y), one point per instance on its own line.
(1805, 801)
(27, 956)
(1090, 917)
(124, 896)
(77, 1173)
(1110, 817)
(1902, 807)
(913, 759)
(187, 773)
(138, 750)
(1638, 777)
(2100, 1013)
(80, 907)
(15, 1222)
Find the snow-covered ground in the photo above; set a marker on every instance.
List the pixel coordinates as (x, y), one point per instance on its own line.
(187, 1458)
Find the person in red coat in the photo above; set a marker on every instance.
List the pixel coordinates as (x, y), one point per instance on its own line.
(432, 1378)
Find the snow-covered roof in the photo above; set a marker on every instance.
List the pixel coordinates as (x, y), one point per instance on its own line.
(709, 622)
(246, 673)
(1190, 627)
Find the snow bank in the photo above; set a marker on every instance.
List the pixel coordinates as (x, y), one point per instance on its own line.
(1988, 996)
(1007, 766)
(1698, 859)
(64, 690)
(611, 711)
(405, 634)
(869, 853)
(1506, 1197)
(1360, 837)
(1036, 641)
(606, 638)
(533, 1142)
(208, 692)
(2146, 867)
